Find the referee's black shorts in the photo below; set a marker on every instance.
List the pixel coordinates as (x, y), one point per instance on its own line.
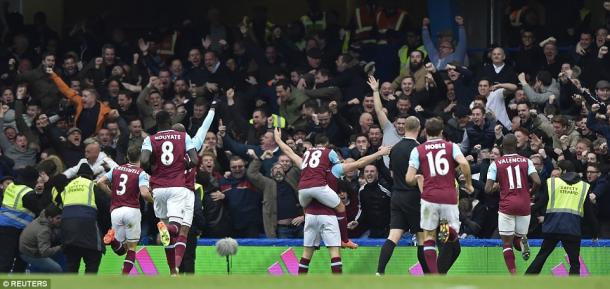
(405, 211)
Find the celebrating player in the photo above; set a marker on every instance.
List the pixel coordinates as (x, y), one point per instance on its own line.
(439, 196)
(168, 149)
(321, 221)
(511, 172)
(190, 175)
(128, 182)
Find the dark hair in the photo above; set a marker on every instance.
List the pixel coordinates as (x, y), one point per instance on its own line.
(133, 153)
(434, 126)
(544, 77)
(566, 166)
(346, 57)
(321, 139)
(561, 120)
(48, 53)
(52, 211)
(107, 46)
(524, 102)
(283, 83)
(163, 117)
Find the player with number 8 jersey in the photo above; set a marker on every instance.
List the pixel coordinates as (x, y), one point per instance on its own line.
(168, 150)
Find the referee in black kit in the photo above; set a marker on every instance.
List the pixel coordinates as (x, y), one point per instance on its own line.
(404, 208)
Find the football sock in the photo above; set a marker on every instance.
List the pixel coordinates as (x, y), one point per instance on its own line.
(117, 247)
(173, 228)
(336, 266)
(129, 261)
(180, 247)
(517, 243)
(421, 257)
(170, 255)
(385, 255)
(452, 234)
(342, 218)
(304, 266)
(430, 255)
(509, 259)
(448, 253)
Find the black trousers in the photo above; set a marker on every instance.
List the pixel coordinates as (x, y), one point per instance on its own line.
(190, 254)
(74, 255)
(571, 244)
(9, 250)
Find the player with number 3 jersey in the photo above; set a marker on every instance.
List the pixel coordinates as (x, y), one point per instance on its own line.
(511, 172)
(437, 160)
(128, 182)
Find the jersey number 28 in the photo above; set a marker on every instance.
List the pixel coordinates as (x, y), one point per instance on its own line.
(310, 159)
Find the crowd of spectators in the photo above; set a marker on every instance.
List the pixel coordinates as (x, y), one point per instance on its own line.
(86, 97)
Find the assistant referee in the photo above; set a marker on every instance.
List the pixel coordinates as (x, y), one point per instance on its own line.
(404, 204)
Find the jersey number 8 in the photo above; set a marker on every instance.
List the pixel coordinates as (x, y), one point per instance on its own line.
(167, 153)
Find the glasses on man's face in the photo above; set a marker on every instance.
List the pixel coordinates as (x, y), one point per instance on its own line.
(237, 167)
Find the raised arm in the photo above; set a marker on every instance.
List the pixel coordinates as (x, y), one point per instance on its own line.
(296, 159)
(363, 161)
(69, 93)
(381, 116)
(205, 126)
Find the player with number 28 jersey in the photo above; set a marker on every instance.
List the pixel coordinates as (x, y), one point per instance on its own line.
(317, 163)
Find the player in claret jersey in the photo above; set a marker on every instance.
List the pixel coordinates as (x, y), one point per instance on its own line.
(511, 172)
(439, 198)
(168, 150)
(317, 163)
(189, 183)
(128, 182)
(321, 221)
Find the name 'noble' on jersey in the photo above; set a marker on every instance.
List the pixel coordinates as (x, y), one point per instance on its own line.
(125, 187)
(168, 149)
(317, 163)
(437, 159)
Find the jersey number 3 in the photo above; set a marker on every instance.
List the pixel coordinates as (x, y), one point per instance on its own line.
(122, 184)
(310, 159)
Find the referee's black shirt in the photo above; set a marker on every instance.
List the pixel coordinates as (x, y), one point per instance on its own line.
(399, 164)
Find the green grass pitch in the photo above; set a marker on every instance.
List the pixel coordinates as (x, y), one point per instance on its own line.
(318, 281)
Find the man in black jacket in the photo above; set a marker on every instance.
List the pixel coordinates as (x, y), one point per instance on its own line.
(374, 212)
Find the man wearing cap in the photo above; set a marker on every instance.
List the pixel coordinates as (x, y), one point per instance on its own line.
(314, 59)
(98, 161)
(71, 150)
(602, 90)
(19, 206)
(79, 230)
